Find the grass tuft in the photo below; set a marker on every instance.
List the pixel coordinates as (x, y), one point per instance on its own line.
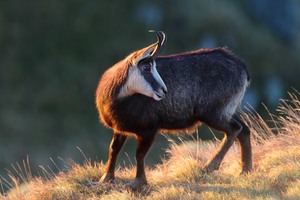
(276, 175)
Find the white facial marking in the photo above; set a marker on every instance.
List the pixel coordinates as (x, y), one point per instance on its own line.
(136, 83)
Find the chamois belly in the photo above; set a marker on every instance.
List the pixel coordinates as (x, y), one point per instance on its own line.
(179, 125)
(135, 121)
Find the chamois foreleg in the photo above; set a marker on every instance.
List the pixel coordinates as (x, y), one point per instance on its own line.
(144, 144)
(116, 145)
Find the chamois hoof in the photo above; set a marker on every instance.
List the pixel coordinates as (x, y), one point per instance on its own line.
(246, 170)
(209, 168)
(107, 178)
(136, 185)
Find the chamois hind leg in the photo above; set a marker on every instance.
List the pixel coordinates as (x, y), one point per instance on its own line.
(116, 145)
(144, 144)
(231, 128)
(245, 143)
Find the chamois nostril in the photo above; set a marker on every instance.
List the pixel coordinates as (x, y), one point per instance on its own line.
(165, 90)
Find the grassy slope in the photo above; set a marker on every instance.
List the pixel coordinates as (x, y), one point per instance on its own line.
(276, 172)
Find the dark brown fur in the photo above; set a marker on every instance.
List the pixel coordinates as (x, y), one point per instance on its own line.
(204, 86)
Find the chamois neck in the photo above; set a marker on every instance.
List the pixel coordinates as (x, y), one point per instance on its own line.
(112, 81)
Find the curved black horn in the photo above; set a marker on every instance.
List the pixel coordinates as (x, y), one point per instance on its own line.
(161, 41)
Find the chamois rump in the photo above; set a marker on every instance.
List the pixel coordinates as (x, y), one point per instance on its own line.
(145, 93)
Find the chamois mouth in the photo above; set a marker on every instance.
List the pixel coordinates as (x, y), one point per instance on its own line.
(158, 96)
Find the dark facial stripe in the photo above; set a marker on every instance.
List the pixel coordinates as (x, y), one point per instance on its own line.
(152, 81)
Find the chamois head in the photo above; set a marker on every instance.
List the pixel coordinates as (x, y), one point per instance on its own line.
(142, 76)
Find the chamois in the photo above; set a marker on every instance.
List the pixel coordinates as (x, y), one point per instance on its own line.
(145, 93)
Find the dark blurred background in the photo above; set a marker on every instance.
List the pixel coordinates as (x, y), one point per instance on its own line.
(53, 52)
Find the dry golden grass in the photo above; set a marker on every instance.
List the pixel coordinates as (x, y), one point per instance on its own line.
(276, 172)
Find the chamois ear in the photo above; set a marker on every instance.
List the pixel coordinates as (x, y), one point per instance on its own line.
(144, 53)
(152, 50)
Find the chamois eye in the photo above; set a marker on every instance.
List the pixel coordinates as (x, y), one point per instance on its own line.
(146, 68)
